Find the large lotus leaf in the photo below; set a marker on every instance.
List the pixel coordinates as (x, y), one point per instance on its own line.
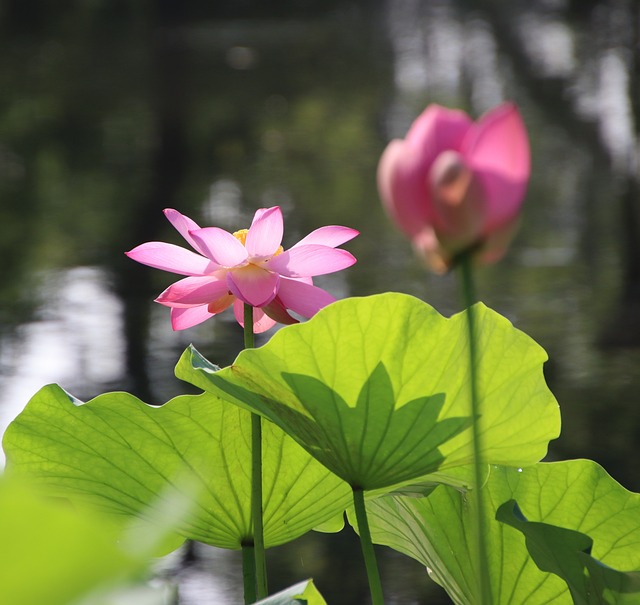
(567, 553)
(50, 553)
(377, 388)
(576, 495)
(303, 593)
(120, 453)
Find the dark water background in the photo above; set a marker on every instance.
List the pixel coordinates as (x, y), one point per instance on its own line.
(111, 111)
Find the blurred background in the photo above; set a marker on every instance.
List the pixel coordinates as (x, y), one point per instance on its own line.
(111, 110)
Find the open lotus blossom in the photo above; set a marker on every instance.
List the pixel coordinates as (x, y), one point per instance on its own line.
(454, 184)
(248, 266)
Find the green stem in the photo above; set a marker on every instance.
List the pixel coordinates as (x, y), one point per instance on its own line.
(249, 338)
(260, 566)
(249, 573)
(256, 506)
(469, 298)
(375, 586)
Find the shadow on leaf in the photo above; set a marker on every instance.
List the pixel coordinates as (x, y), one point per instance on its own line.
(567, 554)
(372, 444)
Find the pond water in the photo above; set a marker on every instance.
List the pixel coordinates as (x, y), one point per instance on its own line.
(110, 112)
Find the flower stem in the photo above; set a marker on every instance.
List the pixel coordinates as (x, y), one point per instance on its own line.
(468, 299)
(249, 573)
(373, 575)
(256, 506)
(260, 567)
(249, 338)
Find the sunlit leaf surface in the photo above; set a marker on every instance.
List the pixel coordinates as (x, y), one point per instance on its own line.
(377, 389)
(303, 593)
(567, 553)
(120, 453)
(574, 496)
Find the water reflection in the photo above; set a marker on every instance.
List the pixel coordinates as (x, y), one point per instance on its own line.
(64, 343)
(109, 114)
(211, 576)
(549, 42)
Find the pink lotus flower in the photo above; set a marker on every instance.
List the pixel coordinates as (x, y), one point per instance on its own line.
(453, 184)
(248, 266)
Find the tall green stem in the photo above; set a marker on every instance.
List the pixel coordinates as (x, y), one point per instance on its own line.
(259, 562)
(249, 338)
(256, 506)
(249, 573)
(469, 298)
(375, 586)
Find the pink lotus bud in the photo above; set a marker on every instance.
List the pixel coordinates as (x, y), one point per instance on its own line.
(453, 184)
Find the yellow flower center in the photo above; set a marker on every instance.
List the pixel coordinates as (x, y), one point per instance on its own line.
(241, 236)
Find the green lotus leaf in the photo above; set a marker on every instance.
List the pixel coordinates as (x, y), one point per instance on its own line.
(459, 477)
(54, 554)
(574, 496)
(118, 453)
(377, 389)
(303, 593)
(567, 553)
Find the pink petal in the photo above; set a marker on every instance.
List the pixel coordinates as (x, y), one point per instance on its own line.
(458, 201)
(220, 304)
(402, 186)
(278, 312)
(220, 246)
(404, 165)
(331, 235)
(183, 224)
(192, 291)
(497, 150)
(310, 260)
(302, 298)
(438, 128)
(183, 318)
(428, 248)
(261, 321)
(495, 246)
(265, 233)
(169, 257)
(253, 285)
